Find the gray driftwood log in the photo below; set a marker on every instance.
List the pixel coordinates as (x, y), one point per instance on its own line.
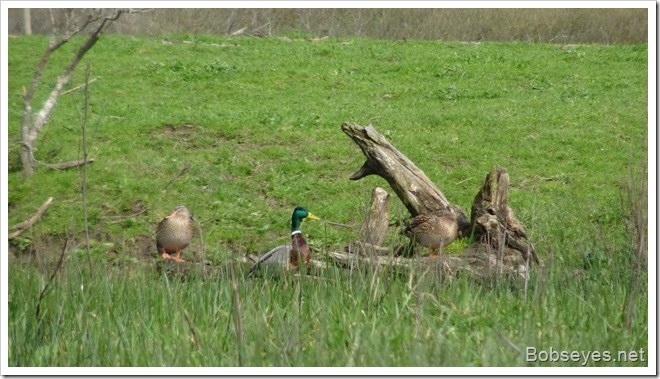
(500, 244)
(411, 185)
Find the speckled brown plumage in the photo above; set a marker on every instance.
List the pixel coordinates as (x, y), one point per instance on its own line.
(174, 233)
(433, 231)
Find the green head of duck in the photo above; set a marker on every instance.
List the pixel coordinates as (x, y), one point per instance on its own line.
(300, 214)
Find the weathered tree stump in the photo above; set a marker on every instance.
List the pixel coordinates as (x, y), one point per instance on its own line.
(374, 229)
(411, 185)
(494, 222)
(375, 226)
(500, 244)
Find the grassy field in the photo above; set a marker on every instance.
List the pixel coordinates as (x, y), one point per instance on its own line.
(257, 121)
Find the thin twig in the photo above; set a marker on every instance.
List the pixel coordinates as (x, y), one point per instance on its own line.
(510, 343)
(85, 151)
(79, 86)
(193, 334)
(262, 26)
(118, 219)
(44, 291)
(19, 228)
(339, 224)
(465, 180)
(183, 170)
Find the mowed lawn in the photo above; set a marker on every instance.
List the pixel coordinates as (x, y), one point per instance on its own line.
(257, 124)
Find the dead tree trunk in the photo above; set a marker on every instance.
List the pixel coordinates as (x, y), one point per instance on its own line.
(418, 194)
(27, 22)
(412, 186)
(500, 243)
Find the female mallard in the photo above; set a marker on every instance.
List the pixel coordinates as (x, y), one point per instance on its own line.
(288, 257)
(433, 231)
(174, 233)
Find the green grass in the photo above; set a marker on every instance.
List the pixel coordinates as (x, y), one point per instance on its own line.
(258, 121)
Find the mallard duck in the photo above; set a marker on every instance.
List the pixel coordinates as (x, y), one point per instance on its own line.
(174, 233)
(433, 231)
(288, 257)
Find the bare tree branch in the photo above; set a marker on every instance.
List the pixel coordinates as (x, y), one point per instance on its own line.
(20, 227)
(31, 124)
(69, 164)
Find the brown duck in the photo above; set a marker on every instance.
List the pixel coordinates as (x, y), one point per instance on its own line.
(433, 231)
(174, 233)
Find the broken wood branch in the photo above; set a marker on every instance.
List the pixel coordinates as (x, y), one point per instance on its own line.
(20, 227)
(69, 164)
(418, 194)
(478, 261)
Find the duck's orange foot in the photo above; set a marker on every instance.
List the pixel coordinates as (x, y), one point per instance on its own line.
(166, 256)
(177, 258)
(433, 254)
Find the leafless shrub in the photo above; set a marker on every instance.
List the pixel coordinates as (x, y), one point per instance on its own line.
(607, 26)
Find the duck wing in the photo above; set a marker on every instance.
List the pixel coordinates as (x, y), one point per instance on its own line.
(277, 257)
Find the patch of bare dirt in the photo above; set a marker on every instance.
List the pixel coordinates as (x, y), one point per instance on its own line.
(191, 135)
(178, 131)
(146, 246)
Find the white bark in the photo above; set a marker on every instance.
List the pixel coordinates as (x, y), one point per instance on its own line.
(30, 127)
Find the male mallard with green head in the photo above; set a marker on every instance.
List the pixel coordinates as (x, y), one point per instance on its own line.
(288, 257)
(433, 231)
(174, 233)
